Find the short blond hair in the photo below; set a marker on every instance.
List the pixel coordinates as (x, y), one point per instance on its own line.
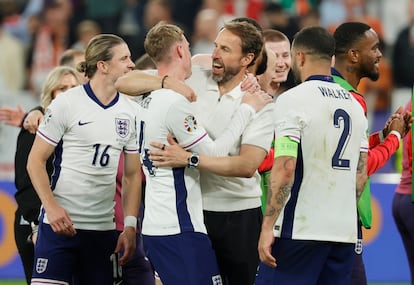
(160, 39)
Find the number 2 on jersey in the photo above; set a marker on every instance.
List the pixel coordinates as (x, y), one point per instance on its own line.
(338, 162)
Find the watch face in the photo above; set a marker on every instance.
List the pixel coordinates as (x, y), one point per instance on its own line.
(194, 159)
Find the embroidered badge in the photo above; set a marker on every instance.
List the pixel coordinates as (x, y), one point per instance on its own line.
(190, 123)
(122, 127)
(216, 280)
(47, 116)
(41, 265)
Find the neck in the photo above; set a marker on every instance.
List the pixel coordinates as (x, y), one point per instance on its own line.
(172, 70)
(348, 72)
(229, 85)
(104, 90)
(315, 69)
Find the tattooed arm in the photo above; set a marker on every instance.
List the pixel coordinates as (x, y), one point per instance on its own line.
(281, 181)
(361, 175)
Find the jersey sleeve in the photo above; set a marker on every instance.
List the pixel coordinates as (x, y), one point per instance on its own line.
(374, 139)
(379, 155)
(191, 135)
(287, 123)
(183, 124)
(259, 132)
(55, 122)
(132, 145)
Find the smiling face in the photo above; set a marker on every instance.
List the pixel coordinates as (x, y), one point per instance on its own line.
(226, 56)
(283, 59)
(370, 55)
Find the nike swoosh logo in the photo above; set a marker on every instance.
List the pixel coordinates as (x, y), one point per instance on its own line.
(83, 123)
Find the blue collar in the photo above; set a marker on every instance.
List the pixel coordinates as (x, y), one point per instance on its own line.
(91, 94)
(326, 78)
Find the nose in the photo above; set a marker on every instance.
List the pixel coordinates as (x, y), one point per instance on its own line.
(131, 64)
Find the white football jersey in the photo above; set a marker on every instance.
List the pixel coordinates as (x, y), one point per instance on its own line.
(89, 138)
(330, 127)
(172, 196)
(222, 193)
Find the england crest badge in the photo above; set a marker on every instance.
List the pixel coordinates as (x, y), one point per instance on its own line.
(122, 127)
(41, 265)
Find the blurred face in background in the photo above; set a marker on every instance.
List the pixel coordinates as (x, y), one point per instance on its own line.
(66, 82)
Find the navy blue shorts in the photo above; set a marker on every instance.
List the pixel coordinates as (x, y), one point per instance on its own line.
(86, 258)
(138, 270)
(308, 262)
(186, 258)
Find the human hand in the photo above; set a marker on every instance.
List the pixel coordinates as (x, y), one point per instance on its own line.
(408, 122)
(266, 241)
(32, 121)
(181, 88)
(12, 116)
(250, 83)
(60, 220)
(398, 124)
(127, 242)
(171, 155)
(257, 99)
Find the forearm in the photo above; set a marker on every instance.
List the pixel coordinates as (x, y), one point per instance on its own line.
(233, 132)
(380, 154)
(40, 181)
(243, 165)
(230, 166)
(131, 185)
(231, 135)
(281, 182)
(361, 174)
(137, 82)
(375, 139)
(131, 194)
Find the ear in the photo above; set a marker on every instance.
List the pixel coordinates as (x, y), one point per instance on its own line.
(180, 51)
(247, 59)
(102, 66)
(353, 55)
(301, 58)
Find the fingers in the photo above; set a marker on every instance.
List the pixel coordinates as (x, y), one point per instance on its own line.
(267, 258)
(171, 140)
(157, 145)
(399, 110)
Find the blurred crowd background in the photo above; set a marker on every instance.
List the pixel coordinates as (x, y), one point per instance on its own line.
(34, 33)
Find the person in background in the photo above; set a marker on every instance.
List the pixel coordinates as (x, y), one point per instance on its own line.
(309, 226)
(278, 47)
(12, 75)
(144, 62)
(357, 55)
(32, 119)
(402, 204)
(26, 221)
(87, 128)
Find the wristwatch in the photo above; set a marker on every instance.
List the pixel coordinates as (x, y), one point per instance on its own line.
(193, 160)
